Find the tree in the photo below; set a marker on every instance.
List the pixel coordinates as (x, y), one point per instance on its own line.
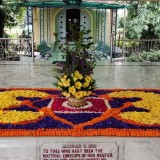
(143, 21)
(8, 15)
(121, 22)
(1, 19)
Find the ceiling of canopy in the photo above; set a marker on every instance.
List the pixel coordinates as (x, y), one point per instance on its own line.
(94, 4)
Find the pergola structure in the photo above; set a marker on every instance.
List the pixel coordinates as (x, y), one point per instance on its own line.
(100, 10)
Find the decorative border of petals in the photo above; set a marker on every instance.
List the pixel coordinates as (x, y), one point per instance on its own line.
(111, 112)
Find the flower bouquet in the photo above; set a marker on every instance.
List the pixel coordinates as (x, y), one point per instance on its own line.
(74, 76)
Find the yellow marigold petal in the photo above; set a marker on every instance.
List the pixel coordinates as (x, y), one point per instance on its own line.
(9, 98)
(79, 94)
(18, 116)
(78, 85)
(72, 90)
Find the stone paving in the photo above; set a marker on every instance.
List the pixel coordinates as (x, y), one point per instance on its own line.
(115, 75)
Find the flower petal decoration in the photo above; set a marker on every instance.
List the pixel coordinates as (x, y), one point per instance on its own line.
(114, 112)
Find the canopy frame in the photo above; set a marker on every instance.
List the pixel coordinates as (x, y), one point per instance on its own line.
(100, 8)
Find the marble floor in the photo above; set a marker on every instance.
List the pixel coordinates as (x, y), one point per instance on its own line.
(115, 75)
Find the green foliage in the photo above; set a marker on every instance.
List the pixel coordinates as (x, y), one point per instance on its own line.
(77, 54)
(10, 15)
(121, 22)
(43, 48)
(143, 21)
(128, 44)
(74, 77)
(153, 56)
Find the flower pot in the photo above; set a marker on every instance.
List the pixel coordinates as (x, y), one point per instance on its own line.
(77, 103)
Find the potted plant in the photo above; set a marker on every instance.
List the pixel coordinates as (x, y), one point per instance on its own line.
(74, 76)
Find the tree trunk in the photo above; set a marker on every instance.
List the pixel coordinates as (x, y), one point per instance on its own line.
(2, 16)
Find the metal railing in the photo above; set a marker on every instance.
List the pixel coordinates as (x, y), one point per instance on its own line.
(135, 46)
(11, 49)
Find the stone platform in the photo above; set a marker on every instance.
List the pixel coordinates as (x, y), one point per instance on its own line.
(77, 148)
(117, 75)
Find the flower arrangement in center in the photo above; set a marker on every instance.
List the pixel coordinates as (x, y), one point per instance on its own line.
(74, 76)
(76, 84)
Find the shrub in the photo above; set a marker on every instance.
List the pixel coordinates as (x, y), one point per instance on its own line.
(152, 56)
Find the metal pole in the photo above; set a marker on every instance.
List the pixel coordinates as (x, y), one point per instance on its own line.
(98, 21)
(115, 29)
(32, 38)
(111, 37)
(96, 40)
(114, 21)
(101, 21)
(124, 34)
(28, 21)
(105, 27)
(111, 48)
(48, 26)
(41, 24)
